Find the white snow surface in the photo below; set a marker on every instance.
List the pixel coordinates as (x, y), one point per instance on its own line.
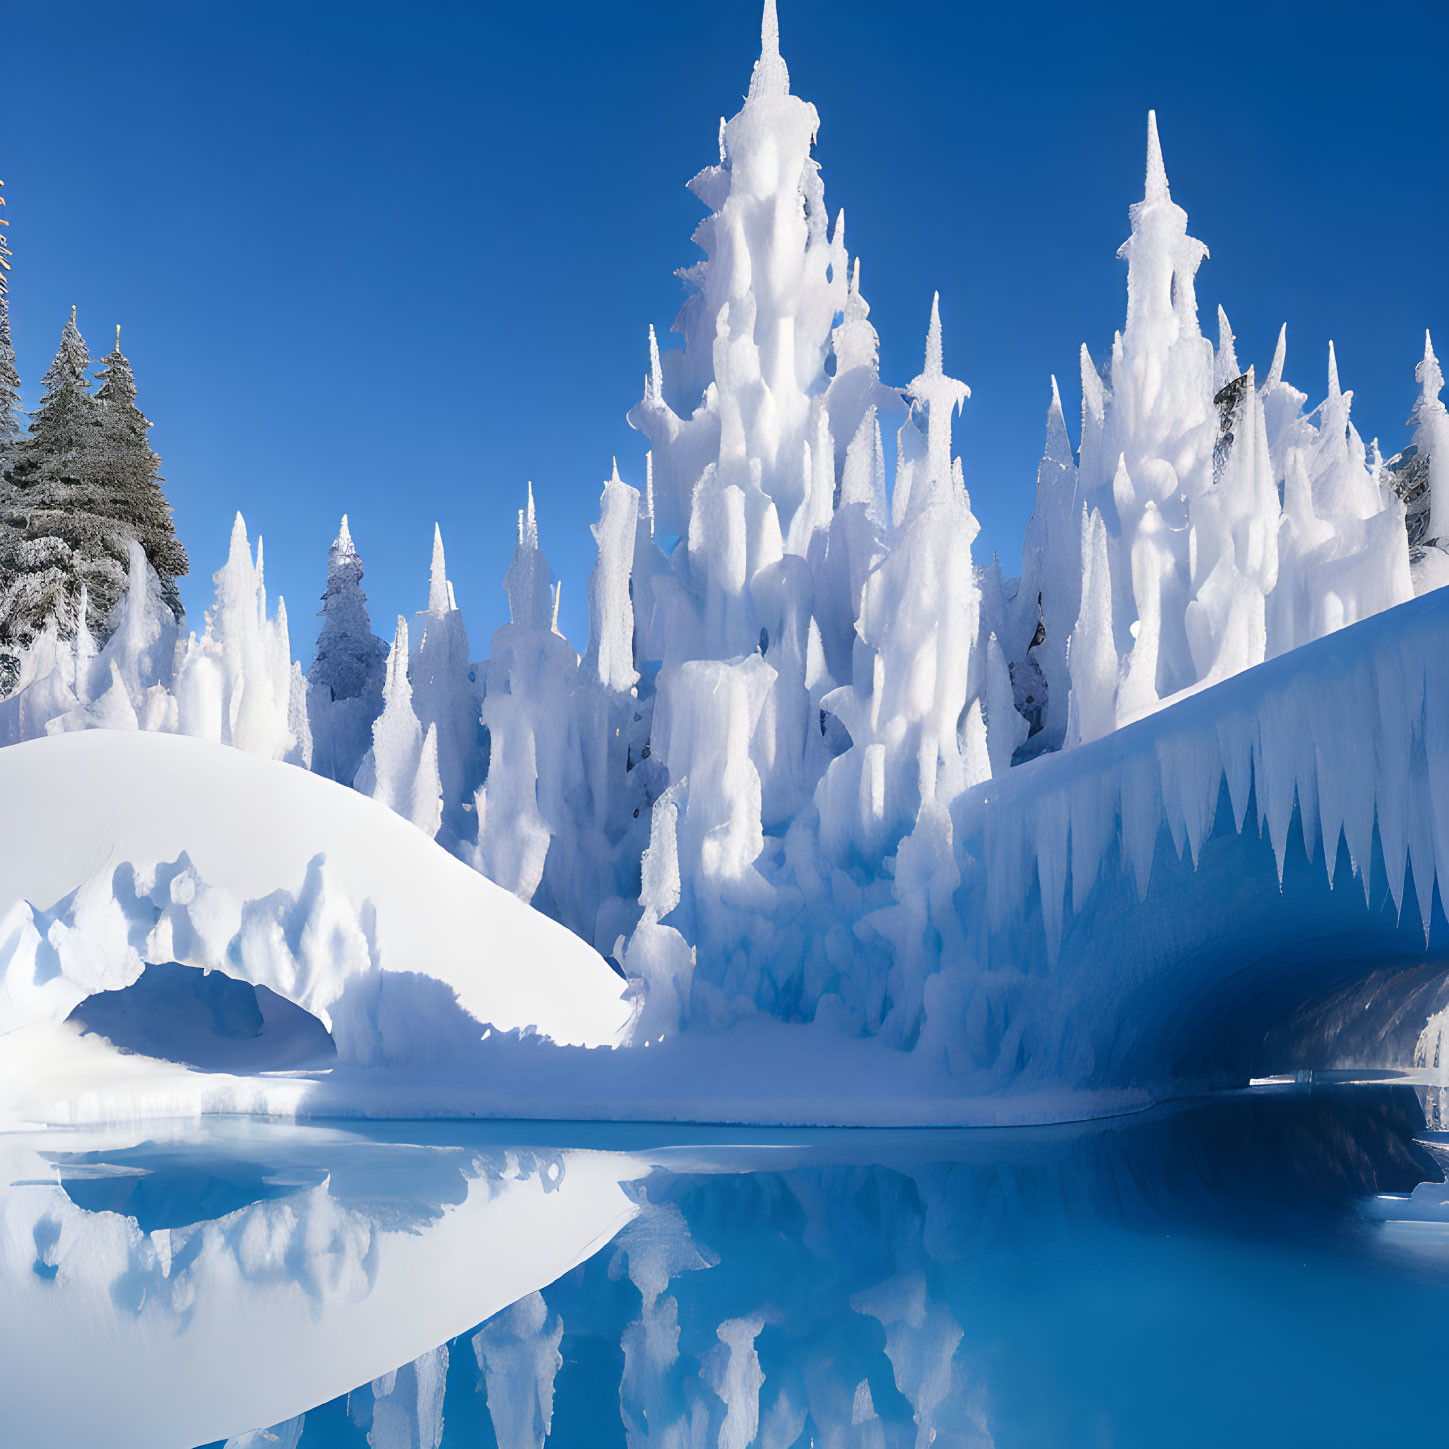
(128, 847)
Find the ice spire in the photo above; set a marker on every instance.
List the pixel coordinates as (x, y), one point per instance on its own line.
(655, 391)
(1225, 362)
(403, 772)
(770, 76)
(610, 654)
(1156, 188)
(941, 395)
(529, 582)
(1280, 355)
(438, 599)
(1162, 261)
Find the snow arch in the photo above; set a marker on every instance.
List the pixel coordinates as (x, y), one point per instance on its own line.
(123, 849)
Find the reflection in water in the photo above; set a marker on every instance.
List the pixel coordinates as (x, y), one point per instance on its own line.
(1216, 1274)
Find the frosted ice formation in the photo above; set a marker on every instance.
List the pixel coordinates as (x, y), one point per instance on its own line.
(816, 764)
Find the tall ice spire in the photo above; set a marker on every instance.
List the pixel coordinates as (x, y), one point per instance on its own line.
(770, 76)
(941, 395)
(438, 600)
(1157, 188)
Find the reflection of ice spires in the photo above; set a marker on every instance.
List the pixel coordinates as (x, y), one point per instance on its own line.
(518, 1355)
(279, 1436)
(733, 1371)
(656, 1247)
(407, 1404)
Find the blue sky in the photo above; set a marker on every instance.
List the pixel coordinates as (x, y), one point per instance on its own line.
(399, 259)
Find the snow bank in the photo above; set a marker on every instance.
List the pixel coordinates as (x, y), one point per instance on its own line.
(124, 848)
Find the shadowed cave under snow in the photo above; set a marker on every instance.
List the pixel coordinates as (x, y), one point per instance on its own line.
(207, 1020)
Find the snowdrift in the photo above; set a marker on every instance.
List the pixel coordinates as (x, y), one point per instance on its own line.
(127, 848)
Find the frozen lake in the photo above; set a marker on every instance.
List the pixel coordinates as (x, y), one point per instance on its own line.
(1269, 1267)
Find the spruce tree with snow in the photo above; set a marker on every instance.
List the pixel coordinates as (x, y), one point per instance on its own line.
(128, 474)
(84, 486)
(344, 684)
(54, 541)
(10, 410)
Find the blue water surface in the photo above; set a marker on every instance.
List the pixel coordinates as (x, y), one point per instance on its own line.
(1265, 1268)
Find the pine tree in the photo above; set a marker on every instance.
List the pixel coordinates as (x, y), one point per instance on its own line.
(84, 487)
(54, 541)
(9, 377)
(9, 429)
(128, 474)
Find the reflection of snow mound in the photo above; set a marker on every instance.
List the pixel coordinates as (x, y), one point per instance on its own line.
(185, 1331)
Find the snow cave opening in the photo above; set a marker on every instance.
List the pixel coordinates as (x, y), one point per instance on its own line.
(207, 1020)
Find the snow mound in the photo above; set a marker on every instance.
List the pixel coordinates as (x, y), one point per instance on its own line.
(123, 849)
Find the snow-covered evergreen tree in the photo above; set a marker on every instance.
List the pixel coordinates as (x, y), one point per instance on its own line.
(127, 474)
(10, 411)
(55, 540)
(344, 684)
(85, 485)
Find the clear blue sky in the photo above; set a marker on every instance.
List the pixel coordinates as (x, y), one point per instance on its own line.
(399, 259)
